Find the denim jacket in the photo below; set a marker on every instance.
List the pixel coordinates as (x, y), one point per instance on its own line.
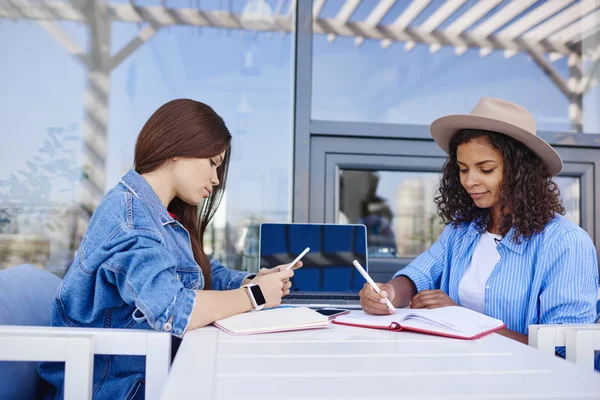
(134, 269)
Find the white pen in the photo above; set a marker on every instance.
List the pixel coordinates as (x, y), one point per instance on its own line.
(290, 265)
(372, 283)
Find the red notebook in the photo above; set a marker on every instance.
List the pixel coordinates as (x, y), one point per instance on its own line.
(455, 322)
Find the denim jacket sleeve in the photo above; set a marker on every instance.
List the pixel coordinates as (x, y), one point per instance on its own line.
(570, 290)
(223, 278)
(426, 270)
(144, 273)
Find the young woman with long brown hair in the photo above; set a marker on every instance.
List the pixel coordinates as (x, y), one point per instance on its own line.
(141, 263)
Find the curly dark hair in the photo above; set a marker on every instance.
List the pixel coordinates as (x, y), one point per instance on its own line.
(528, 196)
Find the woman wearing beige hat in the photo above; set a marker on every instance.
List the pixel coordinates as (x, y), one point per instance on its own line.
(507, 250)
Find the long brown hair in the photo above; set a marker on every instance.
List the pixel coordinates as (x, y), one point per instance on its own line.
(528, 196)
(187, 128)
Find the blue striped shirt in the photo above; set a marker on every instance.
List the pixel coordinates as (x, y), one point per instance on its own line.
(552, 278)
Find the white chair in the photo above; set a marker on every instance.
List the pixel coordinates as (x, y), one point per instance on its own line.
(582, 345)
(580, 341)
(547, 337)
(76, 351)
(26, 295)
(77, 346)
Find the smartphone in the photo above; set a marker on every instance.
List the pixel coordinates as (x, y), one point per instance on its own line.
(332, 312)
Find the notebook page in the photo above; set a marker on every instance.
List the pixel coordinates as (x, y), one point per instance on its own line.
(455, 321)
(422, 316)
(424, 325)
(273, 320)
(362, 318)
(468, 322)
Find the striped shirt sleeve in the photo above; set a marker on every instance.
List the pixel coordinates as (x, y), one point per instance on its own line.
(569, 291)
(426, 270)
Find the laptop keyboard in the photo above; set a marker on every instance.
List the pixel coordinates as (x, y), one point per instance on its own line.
(321, 297)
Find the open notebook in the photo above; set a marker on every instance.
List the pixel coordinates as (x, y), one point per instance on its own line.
(273, 320)
(454, 322)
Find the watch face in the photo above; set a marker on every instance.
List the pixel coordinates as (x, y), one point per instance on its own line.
(258, 295)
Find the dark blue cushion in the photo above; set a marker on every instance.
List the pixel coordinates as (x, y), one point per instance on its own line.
(26, 296)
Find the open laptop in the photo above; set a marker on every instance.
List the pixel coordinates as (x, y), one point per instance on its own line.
(328, 278)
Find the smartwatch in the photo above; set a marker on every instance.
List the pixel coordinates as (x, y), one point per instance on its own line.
(256, 296)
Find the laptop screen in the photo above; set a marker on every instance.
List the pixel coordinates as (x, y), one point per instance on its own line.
(328, 265)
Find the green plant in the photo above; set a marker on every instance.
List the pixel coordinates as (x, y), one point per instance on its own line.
(31, 197)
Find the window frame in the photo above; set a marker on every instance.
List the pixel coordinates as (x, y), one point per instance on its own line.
(331, 154)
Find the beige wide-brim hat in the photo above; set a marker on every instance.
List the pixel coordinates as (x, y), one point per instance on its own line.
(499, 116)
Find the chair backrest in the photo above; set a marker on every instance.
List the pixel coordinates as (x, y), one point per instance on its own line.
(582, 345)
(44, 343)
(581, 342)
(26, 297)
(76, 351)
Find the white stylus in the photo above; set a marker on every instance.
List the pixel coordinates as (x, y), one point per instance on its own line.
(372, 283)
(290, 265)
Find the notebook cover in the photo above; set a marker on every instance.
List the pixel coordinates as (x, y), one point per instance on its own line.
(396, 327)
(271, 331)
(273, 320)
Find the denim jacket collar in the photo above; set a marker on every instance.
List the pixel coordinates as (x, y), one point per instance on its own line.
(141, 189)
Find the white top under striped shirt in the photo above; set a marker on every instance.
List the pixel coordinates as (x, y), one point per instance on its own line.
(472, 286)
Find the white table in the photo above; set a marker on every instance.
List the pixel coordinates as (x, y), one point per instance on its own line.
(356, 363)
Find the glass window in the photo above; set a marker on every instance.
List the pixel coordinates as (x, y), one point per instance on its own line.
(246, 75)
(570, 192)
(40, 145)
(400, 214)
(412, 82)
(397, 208)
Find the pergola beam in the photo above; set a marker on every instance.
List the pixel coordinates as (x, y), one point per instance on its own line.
(594, 54)
(576, 32)
(465, 21)
(411, 12)
(497, 21)
(51, 10)
(396, 31)
(13, 12)
(142, 37)
(440, 15)
(549, 70)
(317, 7)
(576, 99)
(537, 15)
(375, 17)
(380, 11)
(291, 9)
(565, 18)
(347, 10)
(63, 39)
(342, 17)
(96, 102)
(531, 19)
